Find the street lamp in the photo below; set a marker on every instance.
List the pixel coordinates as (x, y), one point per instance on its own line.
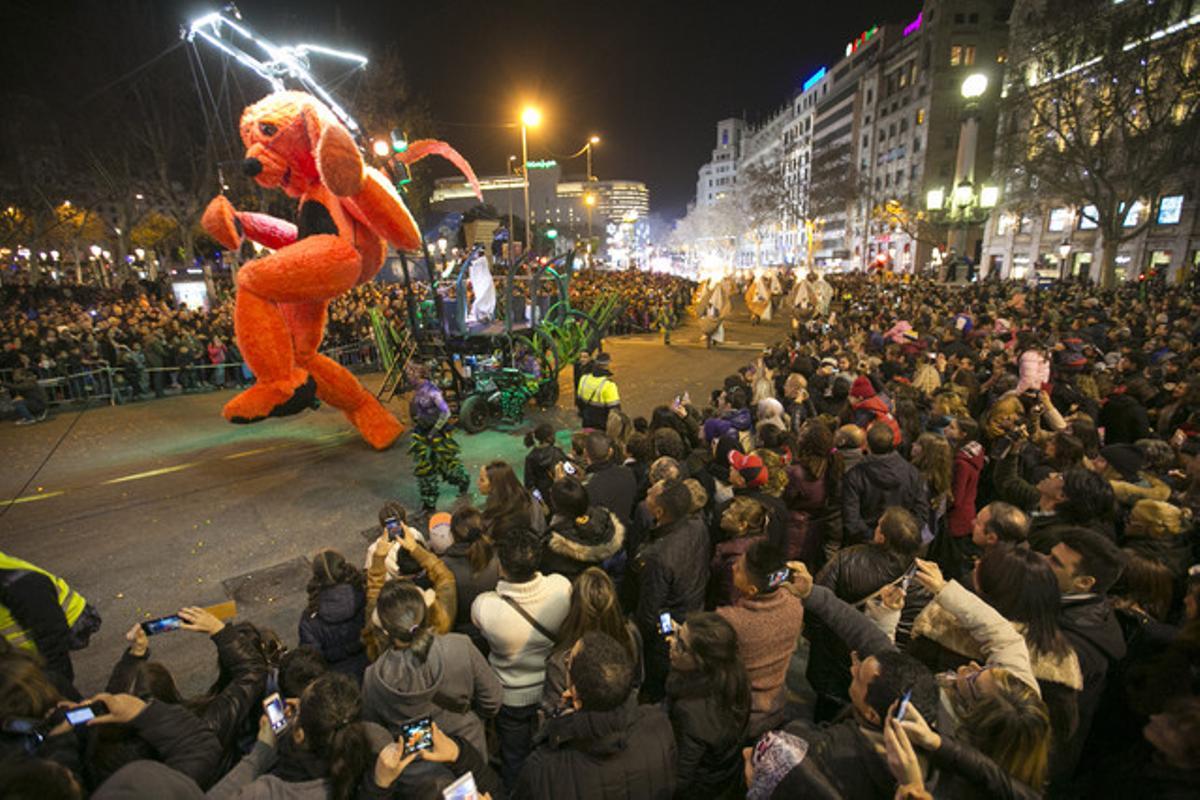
(589, 200)
(381, 148)
(530, 118)
(592, 140)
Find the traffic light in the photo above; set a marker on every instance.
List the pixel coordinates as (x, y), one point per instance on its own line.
(552, 234)
(399, 141)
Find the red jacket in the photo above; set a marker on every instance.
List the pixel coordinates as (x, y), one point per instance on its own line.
(872, 410)
(968, 463)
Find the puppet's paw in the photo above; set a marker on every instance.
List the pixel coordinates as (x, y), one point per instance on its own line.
(278, 399)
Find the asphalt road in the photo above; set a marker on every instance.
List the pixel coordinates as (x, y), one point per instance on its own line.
(148, 507)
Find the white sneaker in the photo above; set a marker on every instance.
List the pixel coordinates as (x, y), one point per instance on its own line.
(26, 421)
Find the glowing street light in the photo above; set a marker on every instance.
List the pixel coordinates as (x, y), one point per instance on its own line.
(974, 85)
(96, 250)
(530, 118)
(381, 148)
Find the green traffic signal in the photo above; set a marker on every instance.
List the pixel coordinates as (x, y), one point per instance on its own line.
(552, 234)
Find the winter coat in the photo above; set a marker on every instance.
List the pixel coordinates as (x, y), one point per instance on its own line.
(539, 468)
(1091, 626)
(968, 463)
(556, 672)
(815, 515)
(597, 541)
(874, 409)
(173, 736)
(468, 584)
(768, 628)
(1173, 552)
(1124, 420)
(875, 484)
(254, 777)
(849, 757)
(967, 773)
(627, 753)
(454, 685)
(613, 486)
(708, 743)
(853, 574)
(335, 630)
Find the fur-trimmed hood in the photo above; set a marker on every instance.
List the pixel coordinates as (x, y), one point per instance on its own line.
(601, 536)
(939, 625)
(1129, 493)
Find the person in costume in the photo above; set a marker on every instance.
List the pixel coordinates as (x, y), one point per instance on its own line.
(435, 452)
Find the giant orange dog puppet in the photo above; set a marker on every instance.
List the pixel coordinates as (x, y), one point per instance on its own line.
(347, 212)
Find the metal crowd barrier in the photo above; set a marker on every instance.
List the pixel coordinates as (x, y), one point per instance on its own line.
(122, 384)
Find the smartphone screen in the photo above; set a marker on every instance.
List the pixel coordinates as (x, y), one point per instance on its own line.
(162, 624)
(462, 789)
(85, 714)
(537, 494)
(417, 735)
(568, 468)
(276, 712)
(903, 707)
(666, 625)
(392, 526)
(906, 579)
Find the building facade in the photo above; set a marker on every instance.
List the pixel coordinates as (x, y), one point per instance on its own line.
(1035, 235)
(719, 176)
(877, 129)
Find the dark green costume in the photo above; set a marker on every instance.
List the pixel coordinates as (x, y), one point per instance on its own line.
(435, 452)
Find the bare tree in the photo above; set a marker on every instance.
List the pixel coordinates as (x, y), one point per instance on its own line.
(1102, 115)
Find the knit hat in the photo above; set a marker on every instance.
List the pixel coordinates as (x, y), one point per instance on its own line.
(751, 467)
(773, 757)
(440, 537)
(1156, 518)
(1126, 459)
(862, 388)
(715, 428)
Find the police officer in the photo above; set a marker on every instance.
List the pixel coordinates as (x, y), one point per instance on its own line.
(40, 613)
(597, 393)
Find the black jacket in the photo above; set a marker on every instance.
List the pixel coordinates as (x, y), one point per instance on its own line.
(875, 484)
(599, 541)
(672, 575)
(613, 486)
(846, 757)
(336, 629)
(1124, 420)
(626, 753)
(708, 745)
(539, 468)
(181, 741)
(1091, 626)
(469, 585)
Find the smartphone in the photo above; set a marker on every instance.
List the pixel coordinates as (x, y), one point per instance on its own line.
(82, 715)
(678, 401)
(569, 468)
(538, 495)
(276, 713)
(778, 578)
(903, 708)
(666, 625)
(171, 622)
(907, 577)
(462, 789)
(416, 735)
(393, 528)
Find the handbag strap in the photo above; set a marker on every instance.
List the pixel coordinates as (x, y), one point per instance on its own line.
(537, 626)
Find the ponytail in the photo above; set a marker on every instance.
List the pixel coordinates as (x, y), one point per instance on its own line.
(480, 553)
(349, 756)
(403, 616)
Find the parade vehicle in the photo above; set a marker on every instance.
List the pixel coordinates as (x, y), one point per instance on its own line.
(490, 367)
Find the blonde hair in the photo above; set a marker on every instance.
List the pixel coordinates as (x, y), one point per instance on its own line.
(744, 517)
(1011, 726)
(926, 380)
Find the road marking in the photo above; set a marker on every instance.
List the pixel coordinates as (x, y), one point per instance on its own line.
(30, 498)
(245, 453)
(137, 476)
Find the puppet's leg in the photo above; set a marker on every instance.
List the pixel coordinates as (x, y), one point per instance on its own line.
(335, 384)
(281, 388)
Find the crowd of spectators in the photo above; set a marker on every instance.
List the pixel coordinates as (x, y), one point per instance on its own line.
(968, 511)
(153, 345)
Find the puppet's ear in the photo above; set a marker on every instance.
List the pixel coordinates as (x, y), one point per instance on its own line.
(339, 161)
(312, 124)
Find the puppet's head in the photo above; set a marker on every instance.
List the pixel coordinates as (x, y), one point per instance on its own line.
(281, 133)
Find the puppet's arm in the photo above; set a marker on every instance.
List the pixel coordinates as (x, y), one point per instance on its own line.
(230, 226)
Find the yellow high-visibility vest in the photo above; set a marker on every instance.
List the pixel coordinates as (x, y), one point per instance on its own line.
(71, 601)
(598, 390)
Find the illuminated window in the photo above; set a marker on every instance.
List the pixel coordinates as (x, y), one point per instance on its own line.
(1002, 55)
(920, 116)
(1134, 217)
(1088, 218)
(968, 55)
(1170, 209)
(956, 55)
(1004, 224)
(1058, 219)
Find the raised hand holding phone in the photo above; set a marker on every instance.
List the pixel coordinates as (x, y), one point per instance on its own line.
(199, 619)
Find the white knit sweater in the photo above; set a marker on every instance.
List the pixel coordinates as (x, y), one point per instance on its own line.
(518, 651)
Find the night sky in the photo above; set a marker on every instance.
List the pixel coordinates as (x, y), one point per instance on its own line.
(651, 77)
